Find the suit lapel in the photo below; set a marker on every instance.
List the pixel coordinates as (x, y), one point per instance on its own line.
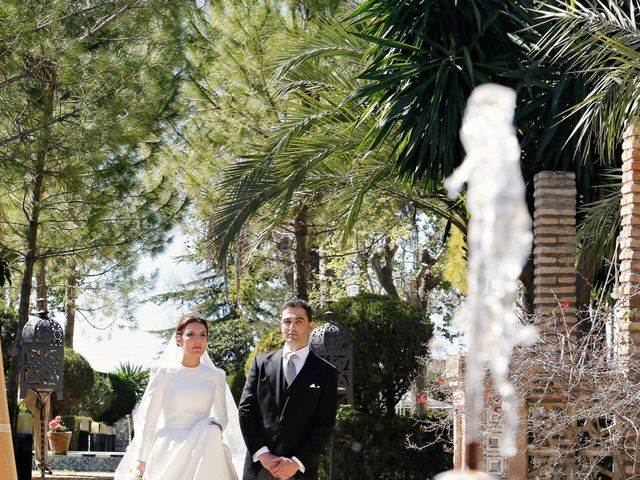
(273, 371)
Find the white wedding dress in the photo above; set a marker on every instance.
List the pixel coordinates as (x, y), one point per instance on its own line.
(173, 434)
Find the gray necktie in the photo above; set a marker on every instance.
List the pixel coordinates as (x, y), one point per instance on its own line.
(290, 372)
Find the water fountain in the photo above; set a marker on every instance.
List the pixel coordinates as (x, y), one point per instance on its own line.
(499, 239)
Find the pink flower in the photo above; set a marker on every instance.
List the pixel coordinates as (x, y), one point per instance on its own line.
(565, 304)
(440, 379)
(56, 425)
(422, 398)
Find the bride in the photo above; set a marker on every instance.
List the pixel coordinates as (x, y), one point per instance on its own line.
(186, 427)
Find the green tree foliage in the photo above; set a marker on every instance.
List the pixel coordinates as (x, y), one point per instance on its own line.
(389, 336)
(8, 327)
(231, 336)
(84, 97)
(425, 51)
(134, 375)
(230, 344)
(269, 342)
(366, 447)
(96, 400)
(123, 400)
(78, 380)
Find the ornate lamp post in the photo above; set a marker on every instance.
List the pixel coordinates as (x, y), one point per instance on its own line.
(333, 343)
(42, 366)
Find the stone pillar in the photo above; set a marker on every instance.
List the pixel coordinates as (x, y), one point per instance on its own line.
(554, 229)
(629, 279)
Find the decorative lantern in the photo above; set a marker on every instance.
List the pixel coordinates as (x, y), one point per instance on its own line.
(42, 367)
(333, 343)
(42, 354)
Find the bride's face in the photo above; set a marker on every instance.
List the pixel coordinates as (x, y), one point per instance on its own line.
(193, 340)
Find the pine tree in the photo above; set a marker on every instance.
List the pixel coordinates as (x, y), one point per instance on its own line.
(85, 93)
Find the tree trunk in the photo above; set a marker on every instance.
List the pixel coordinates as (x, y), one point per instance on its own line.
(46, 100)
(41, 284)
(526, 277)
(385, 272)
(301, 257)
(70, 303)
(25, 288)
(425, 280)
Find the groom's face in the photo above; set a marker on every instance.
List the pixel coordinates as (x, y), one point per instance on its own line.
(295, 327)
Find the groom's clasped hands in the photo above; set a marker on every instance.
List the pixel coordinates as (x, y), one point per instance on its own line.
(279, 467)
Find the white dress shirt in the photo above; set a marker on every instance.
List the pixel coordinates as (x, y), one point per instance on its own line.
(299, 359)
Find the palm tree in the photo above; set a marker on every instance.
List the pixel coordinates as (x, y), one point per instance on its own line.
(426, 59)
(428, 56)
(313, 156)
(135, 375)
(600, 42)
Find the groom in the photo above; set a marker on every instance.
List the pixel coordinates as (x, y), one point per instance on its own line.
(288, 405)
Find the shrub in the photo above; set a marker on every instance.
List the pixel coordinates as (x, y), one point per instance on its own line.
(389, 336)
(78, 380)
(367, 447)
(269, 342)
(135, 375)
(98, 399)
(236, 384)
(122, 401)
(8, 330)
(231, 341)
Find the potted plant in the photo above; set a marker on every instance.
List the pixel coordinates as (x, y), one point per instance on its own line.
(59, 436)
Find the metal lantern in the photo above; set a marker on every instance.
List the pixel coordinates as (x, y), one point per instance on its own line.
(333, 343)
(42, 354)
(42, 366)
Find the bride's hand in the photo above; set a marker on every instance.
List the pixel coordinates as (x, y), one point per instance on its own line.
(140, 465)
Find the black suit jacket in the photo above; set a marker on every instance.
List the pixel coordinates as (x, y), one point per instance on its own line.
(296, 422)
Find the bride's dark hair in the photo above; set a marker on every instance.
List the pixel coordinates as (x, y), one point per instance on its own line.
(187, 319)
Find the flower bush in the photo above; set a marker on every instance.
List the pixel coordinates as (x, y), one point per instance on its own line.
(56, 425)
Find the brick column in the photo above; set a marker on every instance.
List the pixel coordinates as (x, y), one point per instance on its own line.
(629, 278)
(554, 228)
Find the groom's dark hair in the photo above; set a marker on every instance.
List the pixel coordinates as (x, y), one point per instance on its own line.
(299, 303)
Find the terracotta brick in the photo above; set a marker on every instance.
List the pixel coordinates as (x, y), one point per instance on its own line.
(555, 231)
(552, 270)
(628, 220)
(630, 188)
(562, 189)
(630, 254)
(631, 164)
(559, 291)
(553, 175)
(554, 212)
(545, 240)
(545, 280)
(630, 209)
(632, 198)
(631, 175)
(570, 279)
(632, 128)
(630, 155)
(629, 242)
(546, 220)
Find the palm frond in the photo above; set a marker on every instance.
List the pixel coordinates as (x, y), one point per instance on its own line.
(601, 43)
